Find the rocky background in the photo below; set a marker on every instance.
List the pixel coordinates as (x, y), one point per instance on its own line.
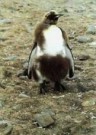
(22, 110)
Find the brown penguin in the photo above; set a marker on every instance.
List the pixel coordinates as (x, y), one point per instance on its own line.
(51, 58)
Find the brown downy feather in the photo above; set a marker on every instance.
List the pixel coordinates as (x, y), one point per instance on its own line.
(54, 68)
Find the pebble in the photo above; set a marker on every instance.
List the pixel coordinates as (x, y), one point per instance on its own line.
(89, 102)
(22, 95)
(92, 16)
(11, 58)
(17, 107)
(3, 39)
(49, 111)
(84, 57)
(25, 65)
(5, 21)
(81, 9)
(91, 29)
(57, 97)
(44, 119)
(22, 74)
(2, 85)
(93, 44)
(72, 35)
(6, 127)
(7, 73)
(84, 39)
(23, 77)
(78, 68)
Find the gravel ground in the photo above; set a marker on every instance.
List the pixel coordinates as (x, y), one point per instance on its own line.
(22, 110)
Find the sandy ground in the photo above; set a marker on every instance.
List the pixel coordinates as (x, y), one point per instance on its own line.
(74, 109)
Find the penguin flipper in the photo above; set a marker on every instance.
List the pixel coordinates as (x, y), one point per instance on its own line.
(71, 70)
(71, 73)
(30, 61)
(65, 37)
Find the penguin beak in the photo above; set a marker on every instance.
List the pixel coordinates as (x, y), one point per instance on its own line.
(59, 15)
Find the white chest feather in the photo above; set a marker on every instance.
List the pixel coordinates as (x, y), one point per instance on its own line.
(54, 42)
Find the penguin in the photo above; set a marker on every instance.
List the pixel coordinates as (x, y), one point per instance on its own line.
(51, 58)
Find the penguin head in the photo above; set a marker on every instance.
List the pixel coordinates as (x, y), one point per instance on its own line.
(52, 17)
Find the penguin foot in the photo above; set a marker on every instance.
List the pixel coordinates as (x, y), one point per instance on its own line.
(59, 87)
(43, 87)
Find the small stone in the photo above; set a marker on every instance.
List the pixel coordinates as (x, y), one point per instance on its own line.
(89, 102)
(49, 111)
(72, 35)
(81, 9)
(57, 97)
(66, 10)
(22, 73)
(11, 58)
(25, 65)
(7, 73)
(3, 124)
(23, 77)
(22, 95)
(8, 129)
(78, 68)
(44, 120)
(91, 29)
(2, 85)
(17, 107)
(84, 57)
(5, 21)
(84, 39)
(3, 39)
(93, 44)
(5, 127)
(68, 118)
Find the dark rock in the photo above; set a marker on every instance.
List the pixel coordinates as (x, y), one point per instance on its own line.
(7, 73)
(84, 57)
(22, 73)
(84, 39)
(66, 10)
(6, 127)
(81, 87)
(3, 39)
(2, 85)
(44, 119)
